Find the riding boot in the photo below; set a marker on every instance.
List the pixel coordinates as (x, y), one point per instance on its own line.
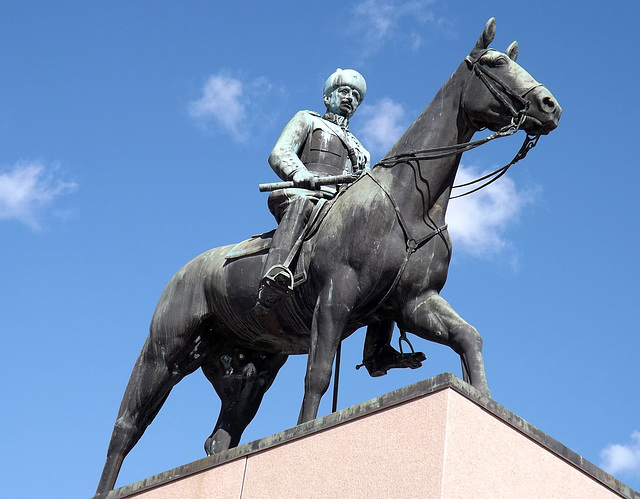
(379, 356)
(277, 281)
(389, 358)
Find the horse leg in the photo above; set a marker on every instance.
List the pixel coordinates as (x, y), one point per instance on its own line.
(431, 317)
(157, 370)
(330, 316)
(240, 377)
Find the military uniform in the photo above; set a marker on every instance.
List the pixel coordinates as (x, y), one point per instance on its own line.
(324, 146)
(310, 146)
(328, 148)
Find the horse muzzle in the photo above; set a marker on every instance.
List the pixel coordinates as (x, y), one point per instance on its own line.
(544, 112)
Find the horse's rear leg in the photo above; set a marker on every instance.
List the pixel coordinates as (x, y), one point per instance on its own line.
(240, 377)
(431, 317)
(155, 373)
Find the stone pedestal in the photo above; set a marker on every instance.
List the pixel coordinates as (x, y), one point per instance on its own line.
(437, 438)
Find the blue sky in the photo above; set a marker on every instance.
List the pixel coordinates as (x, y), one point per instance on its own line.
(134, 135)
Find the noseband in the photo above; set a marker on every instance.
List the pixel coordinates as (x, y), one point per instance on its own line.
(489, 79)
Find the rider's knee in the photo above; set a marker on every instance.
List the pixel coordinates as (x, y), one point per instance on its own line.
(291, 202)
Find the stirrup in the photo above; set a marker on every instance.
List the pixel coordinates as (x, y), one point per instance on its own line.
(276, 284)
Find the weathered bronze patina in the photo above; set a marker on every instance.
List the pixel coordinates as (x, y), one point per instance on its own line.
(310, 146)
(316, 153)
(357, 269)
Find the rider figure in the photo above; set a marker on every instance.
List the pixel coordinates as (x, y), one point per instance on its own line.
(312, 146)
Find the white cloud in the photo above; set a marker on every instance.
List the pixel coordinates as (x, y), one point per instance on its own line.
(416, 41)
(378, 21)
(617, 458)
(477, 222)
(221, 102)
(225, 102)
(381, 125)
(26, 189)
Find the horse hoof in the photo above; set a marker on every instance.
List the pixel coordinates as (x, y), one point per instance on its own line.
(220, 441)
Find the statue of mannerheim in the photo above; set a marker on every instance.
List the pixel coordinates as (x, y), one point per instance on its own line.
(310, 147)
(355, 246)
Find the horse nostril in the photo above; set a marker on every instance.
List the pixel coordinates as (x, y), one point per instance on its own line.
(548, 102)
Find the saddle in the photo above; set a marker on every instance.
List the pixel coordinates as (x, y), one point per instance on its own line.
(260, 243)
(257, 243)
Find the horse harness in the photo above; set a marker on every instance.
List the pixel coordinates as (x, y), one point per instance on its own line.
(517, 120)
(414, 243)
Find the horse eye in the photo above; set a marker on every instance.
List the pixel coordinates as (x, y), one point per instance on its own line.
(500, 61)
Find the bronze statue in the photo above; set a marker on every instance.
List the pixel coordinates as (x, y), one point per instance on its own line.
(312, 146)
(357, 270)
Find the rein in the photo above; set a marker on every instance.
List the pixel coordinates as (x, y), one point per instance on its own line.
(445, 151)
(528, 144)
(517, 120)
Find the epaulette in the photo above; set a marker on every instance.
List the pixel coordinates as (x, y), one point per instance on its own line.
(313, 113)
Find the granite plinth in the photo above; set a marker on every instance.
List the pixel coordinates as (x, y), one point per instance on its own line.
(435, 438)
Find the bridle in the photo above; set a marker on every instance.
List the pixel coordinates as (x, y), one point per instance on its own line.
(518, 116)
(489, 79)
(502, 93)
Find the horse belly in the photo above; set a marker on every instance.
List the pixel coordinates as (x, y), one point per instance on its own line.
(232, 291)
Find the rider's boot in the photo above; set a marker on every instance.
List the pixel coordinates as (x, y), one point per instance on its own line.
(275, 285)
(277, 282)
(386, 357)
(379, 356)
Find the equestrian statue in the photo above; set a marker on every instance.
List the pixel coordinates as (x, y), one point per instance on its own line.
(372, 252)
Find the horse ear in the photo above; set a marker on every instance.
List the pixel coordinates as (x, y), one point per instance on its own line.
(512, 51)
(487, 35)
(484, 41)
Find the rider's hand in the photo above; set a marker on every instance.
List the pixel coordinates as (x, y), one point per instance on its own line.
(304, 179)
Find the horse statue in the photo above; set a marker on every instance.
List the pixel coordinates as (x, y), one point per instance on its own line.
(361, 270)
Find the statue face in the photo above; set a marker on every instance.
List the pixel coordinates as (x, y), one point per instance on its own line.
(344, 101)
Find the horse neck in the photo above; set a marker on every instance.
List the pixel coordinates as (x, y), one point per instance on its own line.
(423, 188)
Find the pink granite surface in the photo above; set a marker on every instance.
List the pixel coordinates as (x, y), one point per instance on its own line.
(377, 453)
(487, 458)
(223, 481)
(440, 445)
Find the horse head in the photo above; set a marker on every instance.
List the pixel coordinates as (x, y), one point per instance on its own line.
(497, 83)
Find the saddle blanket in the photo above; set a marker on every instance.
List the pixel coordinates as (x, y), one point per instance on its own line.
(255, 244)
